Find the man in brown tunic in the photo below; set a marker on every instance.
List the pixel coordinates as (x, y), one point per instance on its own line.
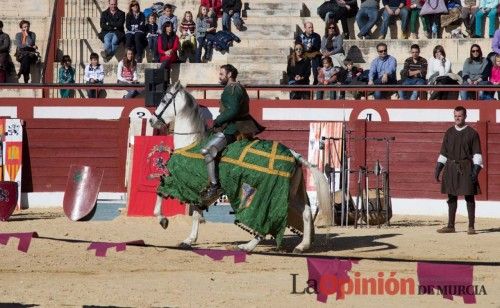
(461, 159)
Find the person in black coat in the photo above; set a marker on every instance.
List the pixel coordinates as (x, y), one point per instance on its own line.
(298, 71)
(135, 37)
(231, 10)
(112, 30)
(5, 60)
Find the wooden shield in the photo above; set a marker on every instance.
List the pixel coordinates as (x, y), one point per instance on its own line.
(8, 199)
(81, 192)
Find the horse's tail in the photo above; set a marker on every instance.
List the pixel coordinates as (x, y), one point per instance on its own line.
(322, 190)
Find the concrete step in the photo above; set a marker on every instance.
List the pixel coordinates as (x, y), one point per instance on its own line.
(272, 5)
(237, 51)
(258, 32)
(266, 43)
(264, 59)
(269, 12)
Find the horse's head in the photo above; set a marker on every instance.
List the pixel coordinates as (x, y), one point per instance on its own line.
(169, 107)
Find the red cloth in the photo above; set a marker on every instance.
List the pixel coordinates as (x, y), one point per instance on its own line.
(161, 50)
(495, 75)
(216, 4)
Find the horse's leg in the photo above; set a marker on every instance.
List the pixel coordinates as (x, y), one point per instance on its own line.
(250, 246)
(157, 212)
(193, 236)
(306, 239)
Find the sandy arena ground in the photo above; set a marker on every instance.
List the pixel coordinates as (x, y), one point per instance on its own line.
(59, 271)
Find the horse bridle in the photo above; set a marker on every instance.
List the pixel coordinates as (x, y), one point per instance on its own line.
(159, 117)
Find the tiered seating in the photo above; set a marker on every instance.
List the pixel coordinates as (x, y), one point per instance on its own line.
(39, 15)
(261, 55)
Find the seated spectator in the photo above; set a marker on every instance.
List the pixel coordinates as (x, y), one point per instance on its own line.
(168, 45)
(187, 38)
(205, 26)
(328, 75)
(332, 45)
(367, 17)
(231, 10)
(311, 41)
(486, 7)
(5, 61)
(351, 76)
(343, 11)
(66, 75)
(214, 7)
(394, 9)
(94, 74)
(168, 15)
(495, 42)
(127, 72)
(382, 70)
(414, 72)
(415, 7)
(476, 71)
(135, 37)
(298, 71)
(152, 37)
(495, 73)
(27, 51)
(112, 30)
(439, 73)
(468, 15)
(432, 20)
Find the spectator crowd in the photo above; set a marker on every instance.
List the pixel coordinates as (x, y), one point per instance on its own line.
(324, 57)
(157, 35)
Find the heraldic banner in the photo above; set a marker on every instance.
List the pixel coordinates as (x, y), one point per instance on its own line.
(11, 131)
(151, 154)
(332, 151)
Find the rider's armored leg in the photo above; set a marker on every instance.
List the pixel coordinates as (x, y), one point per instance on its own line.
(210, 151)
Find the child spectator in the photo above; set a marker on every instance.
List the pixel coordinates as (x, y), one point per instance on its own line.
(66, 75)
(350, 76)
(328, 75)
(135, 37)
(168, 44)
(187, 38)
(127, 72)
(495, 73)
(205, 26)
(298, 71)
(168, 15)
(94, 74)
(152, 37)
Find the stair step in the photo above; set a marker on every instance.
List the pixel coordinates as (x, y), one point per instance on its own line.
(268, 12)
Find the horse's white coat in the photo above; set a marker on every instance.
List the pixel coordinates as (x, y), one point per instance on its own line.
(184, 136)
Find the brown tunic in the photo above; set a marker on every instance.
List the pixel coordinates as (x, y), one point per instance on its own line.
(459, 147)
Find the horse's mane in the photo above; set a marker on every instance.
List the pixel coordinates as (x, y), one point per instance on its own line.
(192, 111)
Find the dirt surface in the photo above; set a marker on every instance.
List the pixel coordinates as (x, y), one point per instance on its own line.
(58, 270)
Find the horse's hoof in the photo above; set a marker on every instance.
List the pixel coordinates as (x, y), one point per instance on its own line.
(185, 246)
(164, 223)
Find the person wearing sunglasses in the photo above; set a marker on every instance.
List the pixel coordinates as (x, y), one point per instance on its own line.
(332, 45)
(476, 71)
(382, 70)
(298, 71)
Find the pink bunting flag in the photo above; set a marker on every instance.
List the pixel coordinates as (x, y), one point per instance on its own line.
(101, 248)
(218, 255)
(24, 239)
(330, 275)
(448, 277)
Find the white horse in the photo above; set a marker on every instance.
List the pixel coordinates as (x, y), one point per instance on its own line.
(190, 126)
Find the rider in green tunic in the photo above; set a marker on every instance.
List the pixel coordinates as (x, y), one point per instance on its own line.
(234, 121)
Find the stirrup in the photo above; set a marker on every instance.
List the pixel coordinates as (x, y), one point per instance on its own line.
(209, 195)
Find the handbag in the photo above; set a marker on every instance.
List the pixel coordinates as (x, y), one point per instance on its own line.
(433, 7)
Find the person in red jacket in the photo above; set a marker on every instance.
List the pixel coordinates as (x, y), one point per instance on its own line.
(168, 44)
(214, 6)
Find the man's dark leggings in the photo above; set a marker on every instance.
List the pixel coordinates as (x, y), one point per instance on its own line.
(452, 210)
